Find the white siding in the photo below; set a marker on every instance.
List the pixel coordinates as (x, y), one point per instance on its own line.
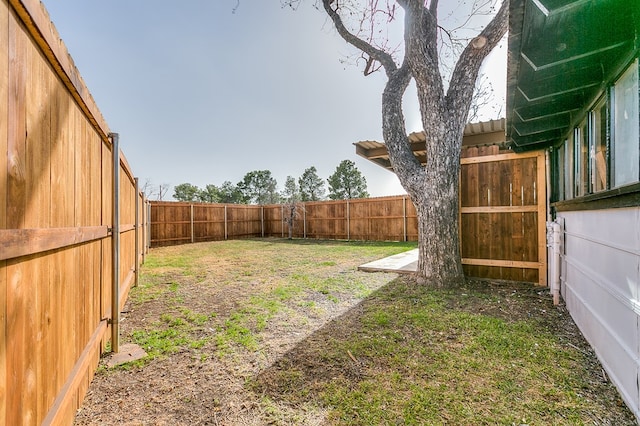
(599, 282)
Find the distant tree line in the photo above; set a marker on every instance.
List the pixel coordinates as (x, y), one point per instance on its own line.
(260, 187)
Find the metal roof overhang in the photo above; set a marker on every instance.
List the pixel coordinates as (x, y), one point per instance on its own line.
(475, 134)
(562, 54)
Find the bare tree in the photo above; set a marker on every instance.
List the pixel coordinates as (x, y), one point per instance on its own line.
(291, 205)
(147, 188)
(444, 109)
(163, 188)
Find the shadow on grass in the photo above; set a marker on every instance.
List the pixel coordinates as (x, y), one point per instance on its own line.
(485, 353)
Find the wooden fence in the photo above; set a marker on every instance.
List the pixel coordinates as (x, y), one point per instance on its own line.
(502, 217)
(372, 219)
(65, 261)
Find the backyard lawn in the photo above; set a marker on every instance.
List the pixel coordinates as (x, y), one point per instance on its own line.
(270, 331)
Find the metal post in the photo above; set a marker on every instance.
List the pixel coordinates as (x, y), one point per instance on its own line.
(137, 234)
(115, 246)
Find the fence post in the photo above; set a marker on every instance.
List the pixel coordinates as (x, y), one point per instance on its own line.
(348, 230)
(304, 220)
(226, 231)
(404, 217)
(262, 220)
(115, 246)
(191, 220)
(137, 233)
(282, 221)
(148, 225)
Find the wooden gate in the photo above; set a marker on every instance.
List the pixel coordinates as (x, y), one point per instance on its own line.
(503, 214)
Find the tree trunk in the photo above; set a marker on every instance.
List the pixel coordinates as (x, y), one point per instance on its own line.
(439, 261)
(433, 188)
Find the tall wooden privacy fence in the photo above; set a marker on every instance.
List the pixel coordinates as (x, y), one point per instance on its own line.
(371, 219)
(502, 217)
(65, 259)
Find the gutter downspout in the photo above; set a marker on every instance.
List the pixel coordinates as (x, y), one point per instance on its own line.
(115, 246)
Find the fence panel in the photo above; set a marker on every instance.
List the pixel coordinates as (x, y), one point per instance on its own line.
(273, 221)
(502, 220)
(244, 221)
(56, 204)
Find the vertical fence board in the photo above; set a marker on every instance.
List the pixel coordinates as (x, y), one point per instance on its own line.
(20, 312)
(107, 208)
(4, 119)
(16, 127)
(22, 327)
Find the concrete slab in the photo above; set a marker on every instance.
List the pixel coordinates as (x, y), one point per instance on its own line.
(402, 263)
(129, 352)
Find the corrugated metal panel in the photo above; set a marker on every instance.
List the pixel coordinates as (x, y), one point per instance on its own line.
(483, 133)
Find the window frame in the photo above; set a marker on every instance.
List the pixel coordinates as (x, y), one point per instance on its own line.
(628, 70)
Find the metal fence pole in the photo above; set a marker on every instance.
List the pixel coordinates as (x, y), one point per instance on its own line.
(115, 246)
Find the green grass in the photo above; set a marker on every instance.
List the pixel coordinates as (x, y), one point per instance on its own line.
(168, 335)
(407, 354)
(296, 270)
(419, 361)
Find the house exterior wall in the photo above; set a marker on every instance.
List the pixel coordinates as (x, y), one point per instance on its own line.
(600, 276)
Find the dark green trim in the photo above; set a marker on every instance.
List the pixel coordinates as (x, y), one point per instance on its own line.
(625, 196)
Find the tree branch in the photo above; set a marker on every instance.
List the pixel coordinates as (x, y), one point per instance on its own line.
(433, 7)
(466, 71)
(421, 51)
(377, 54)
(404, 162)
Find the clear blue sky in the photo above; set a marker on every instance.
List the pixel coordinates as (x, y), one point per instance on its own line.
(200, 94)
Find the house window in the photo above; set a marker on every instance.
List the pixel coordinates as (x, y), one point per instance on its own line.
(598, 119)
(626, 128)
(581, 162)
(568, 166)
(559, 167)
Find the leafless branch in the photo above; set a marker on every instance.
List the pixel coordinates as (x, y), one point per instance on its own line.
(467, 67)
(384, 58)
